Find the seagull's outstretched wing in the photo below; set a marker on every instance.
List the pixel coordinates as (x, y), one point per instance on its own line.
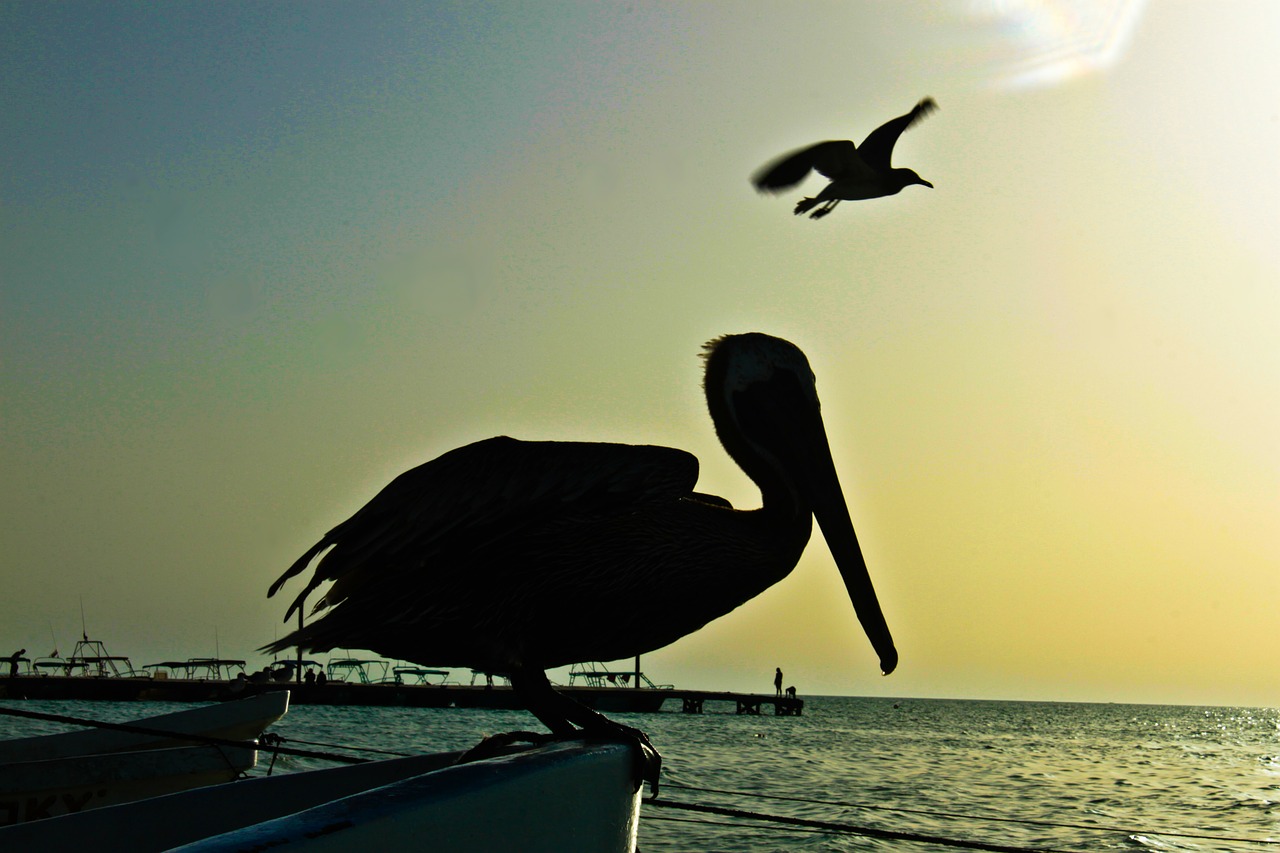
(834, 159)
(877, 148)
(478, 493)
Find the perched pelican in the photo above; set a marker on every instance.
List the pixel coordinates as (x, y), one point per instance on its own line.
(514, 557)
(855, 172)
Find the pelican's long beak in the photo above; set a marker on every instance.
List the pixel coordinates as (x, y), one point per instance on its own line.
(822, 488)
(779, 419)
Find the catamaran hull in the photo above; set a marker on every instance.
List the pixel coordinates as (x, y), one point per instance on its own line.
(569, 796)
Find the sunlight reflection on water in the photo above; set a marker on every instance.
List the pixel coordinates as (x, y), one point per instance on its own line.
(953, 768)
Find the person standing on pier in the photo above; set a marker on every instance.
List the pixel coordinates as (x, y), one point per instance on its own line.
(777, 681)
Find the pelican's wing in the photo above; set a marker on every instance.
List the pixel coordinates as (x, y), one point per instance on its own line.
(480, 491)
(877, 148)
(832, 158)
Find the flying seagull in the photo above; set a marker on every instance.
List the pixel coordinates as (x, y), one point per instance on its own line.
(514, 557)
(855, 172)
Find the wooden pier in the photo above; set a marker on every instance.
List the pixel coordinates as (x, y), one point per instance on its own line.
(694, 701)
(607, 699)
(90, 673)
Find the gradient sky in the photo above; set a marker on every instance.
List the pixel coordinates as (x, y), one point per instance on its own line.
(257, 259)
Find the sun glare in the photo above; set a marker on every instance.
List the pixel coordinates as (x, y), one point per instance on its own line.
(1058, 40)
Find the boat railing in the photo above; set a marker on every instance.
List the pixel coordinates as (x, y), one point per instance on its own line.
(215, 669)
(54, 665)
(417, 675)
(101, 666)
(598, 675)
(283, 671)
(363, 671)
(93, 660)
(197, 669)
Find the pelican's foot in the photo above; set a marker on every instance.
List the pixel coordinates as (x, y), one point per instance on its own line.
(646, 760)
(495, 745)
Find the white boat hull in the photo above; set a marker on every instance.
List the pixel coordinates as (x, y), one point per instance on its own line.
(36, 790)
(60, 774)
(152, 825)
(566, 796)
(241, 719)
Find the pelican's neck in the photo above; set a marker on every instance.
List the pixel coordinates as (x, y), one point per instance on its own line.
(781, 503)
(779, 538)
(780, 498)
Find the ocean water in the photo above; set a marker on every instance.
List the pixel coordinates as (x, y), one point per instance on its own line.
(1036, 776)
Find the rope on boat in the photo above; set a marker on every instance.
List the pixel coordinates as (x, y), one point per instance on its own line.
(394, 752)
(182, 736)
(852, 829)
(958, 815)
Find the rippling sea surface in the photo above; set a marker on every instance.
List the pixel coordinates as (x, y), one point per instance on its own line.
(1041, 776)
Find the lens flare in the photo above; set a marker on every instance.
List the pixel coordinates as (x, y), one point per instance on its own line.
(1052, 41)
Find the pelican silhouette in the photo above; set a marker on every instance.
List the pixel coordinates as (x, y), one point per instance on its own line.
(514, 557)
(856, 172)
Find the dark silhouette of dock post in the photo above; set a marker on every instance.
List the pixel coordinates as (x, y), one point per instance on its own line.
(298, 670)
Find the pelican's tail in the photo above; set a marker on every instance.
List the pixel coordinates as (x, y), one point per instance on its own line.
(805, 205)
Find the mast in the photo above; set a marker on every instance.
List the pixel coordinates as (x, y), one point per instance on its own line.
(297, 670)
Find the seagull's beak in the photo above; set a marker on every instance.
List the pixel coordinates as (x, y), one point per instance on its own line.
(925, 183)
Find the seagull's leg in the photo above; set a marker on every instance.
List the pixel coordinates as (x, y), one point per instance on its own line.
(805, 205)
(559, 712)
(826, 208)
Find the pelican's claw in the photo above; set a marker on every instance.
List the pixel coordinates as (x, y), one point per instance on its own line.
(646, 760)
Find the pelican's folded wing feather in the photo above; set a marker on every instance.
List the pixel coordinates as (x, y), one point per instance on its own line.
(479, 491)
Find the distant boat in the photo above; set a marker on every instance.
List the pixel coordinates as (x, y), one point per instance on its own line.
(419, 675)
(89, 659)
(211, 669)
(59, 774)
(361, 671)
(568, 795)
(597, 674)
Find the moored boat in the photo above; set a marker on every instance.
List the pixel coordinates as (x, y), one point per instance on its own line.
(58, 774)
(240, 719)
(569, 795)
(37, 790)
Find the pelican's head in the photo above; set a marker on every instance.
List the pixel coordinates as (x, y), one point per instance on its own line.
(764, 403)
